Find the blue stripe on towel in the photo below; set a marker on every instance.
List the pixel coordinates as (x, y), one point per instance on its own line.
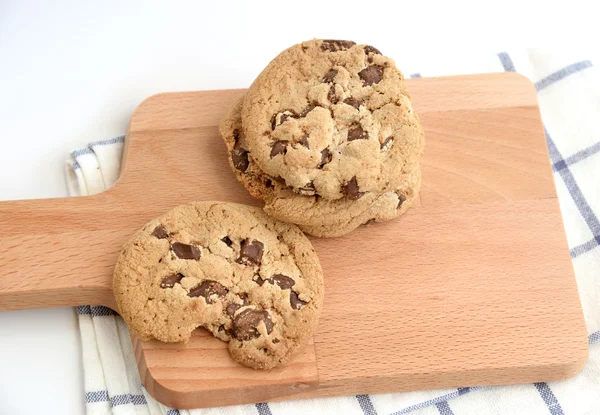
(563, 73)
(366, 405)
(549, 398)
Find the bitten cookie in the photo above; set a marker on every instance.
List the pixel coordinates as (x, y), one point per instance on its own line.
(314, 215)
(332, 118)
(251, 280)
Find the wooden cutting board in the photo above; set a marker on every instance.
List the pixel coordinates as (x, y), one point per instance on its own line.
(473, 286)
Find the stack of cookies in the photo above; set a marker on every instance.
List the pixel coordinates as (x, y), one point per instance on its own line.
(327, 137)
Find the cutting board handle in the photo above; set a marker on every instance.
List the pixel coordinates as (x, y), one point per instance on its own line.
(48, 247)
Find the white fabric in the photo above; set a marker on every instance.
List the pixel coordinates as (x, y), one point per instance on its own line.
(569, 95)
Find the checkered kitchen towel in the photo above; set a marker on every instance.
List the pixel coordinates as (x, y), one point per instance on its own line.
(569, 94)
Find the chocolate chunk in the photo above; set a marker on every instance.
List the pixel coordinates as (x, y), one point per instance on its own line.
(275, 341)
(371, 75)
(239, 157)
(283, 281)
(250, 252)
(296, 302)
(281, 117)
(279, 147)
(207, 289)
(351, 190)
(269, 183)
(171, 280)
(357, 133)
(185, 251)
(331, 95)
(304, 140)
(244, 298)
(330, 76)
(401, 199)
(307, 190)
(227, 241)
(371, 49)
(356, 103)
(236, 135)
(280, 180)
(160, 232)
(334, 45)
(259, 280)
(245, 324)
(325, 157)
(307, 110)
(387, 142)
(232, 308)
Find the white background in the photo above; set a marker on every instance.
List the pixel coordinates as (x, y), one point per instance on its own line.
(73, 72)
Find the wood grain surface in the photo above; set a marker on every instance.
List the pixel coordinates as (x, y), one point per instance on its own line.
(473, 286)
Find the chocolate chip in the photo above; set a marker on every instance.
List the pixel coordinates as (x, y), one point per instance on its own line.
(245, 324)
(304, 140)
(207, 289)
(351, 190)
(356, 103)
(275, 341)
(307, 190)
(371, 49)
(283, 281)
(330, 76)
(269, 183)
(232, 308)
(279, 147)
(160, 232)
(281, 117)
(401, 199)
(280, 180)
(331, 95)
(307, 110)
(171, 280)
(239, 157)
(185, 251)
(371, 75)
(357, 133)
(334, 45)
(259, 280)
(370, 221)
(386, 143)
(295, 301)
(325, 157)
(227, 240)
(244, 298)
(236, 135)
(250, 252)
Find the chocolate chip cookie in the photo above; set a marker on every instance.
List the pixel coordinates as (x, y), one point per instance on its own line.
(251, 280)
(332, 118)
(314, 215)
